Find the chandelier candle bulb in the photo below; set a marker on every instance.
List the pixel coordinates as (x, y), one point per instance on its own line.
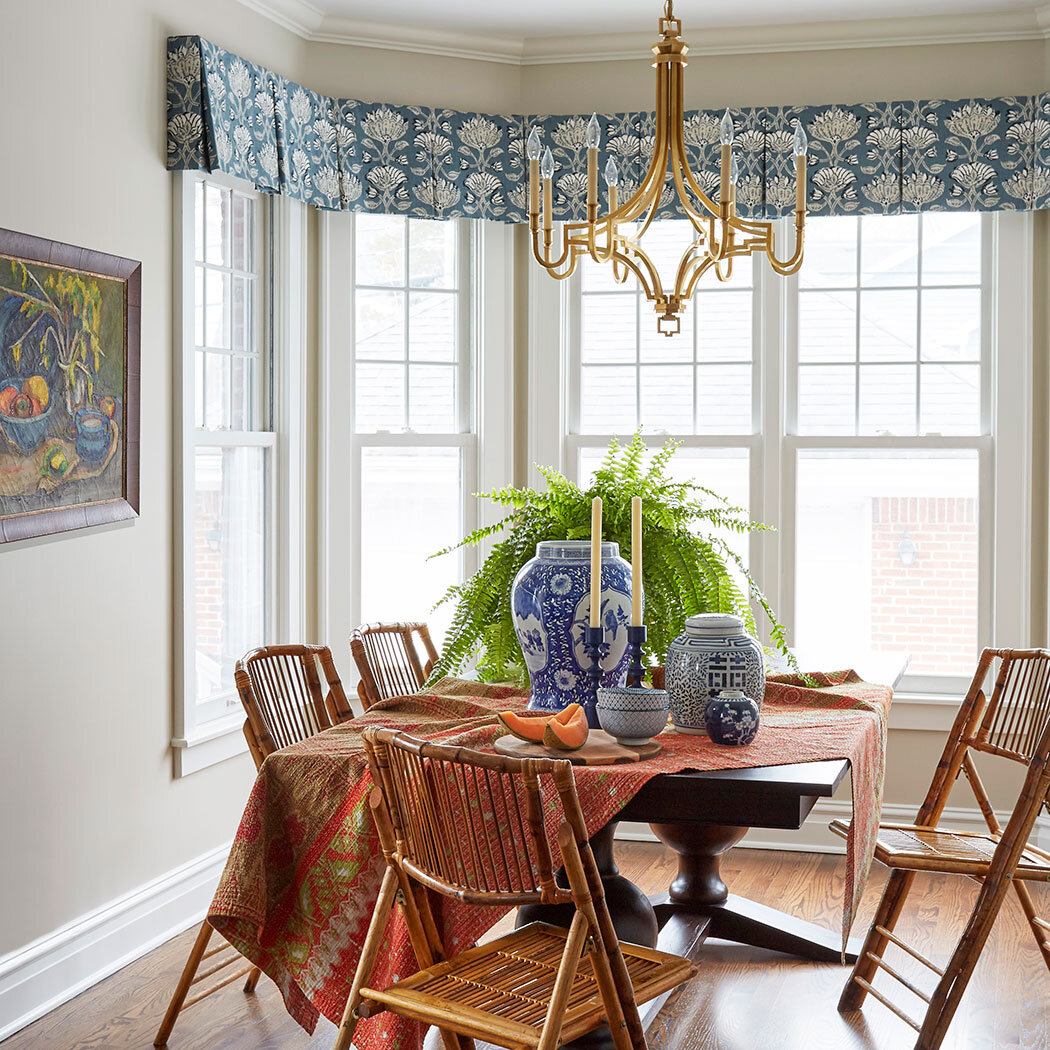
(726, 132)
(533, 149)
(636, 561)
(596, 562)
(547, 171)
(799, 148)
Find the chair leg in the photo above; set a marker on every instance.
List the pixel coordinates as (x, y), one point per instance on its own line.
(253, 980)
(945, 999)
(1040, 927)
(369, 951)
(888, 913)
(200, 946)
(550, 1036)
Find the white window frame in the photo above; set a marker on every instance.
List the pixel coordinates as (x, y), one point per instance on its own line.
(1004, 527)
(203, 737)
(485, 409)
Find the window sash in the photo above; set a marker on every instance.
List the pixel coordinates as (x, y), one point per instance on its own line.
(463, 437)
(204, 721)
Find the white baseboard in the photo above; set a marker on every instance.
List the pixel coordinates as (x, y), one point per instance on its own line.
(814, 836)
(51, 970)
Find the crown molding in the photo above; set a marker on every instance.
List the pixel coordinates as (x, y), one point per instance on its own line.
(312, 24)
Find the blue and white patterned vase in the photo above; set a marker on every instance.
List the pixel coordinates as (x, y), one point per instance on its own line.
(713, 654)
(551, 601)
(732, 718)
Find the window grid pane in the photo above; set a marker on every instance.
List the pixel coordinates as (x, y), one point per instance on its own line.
(696, 382)
(228, 382)
(408, 365)
(882, 290)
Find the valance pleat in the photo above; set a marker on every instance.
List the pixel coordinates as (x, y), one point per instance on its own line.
(230, 115)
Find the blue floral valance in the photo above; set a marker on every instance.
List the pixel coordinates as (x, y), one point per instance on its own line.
(227, 114)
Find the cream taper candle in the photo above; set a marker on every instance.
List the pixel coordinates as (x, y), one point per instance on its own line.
(636, 561)
(596, 561)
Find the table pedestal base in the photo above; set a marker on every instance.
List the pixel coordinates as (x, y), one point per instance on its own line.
(698, 889)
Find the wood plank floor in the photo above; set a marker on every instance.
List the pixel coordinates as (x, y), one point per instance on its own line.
(744, 999)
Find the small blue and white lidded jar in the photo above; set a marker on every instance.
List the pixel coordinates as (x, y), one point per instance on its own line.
(732, 718)
(713, 654)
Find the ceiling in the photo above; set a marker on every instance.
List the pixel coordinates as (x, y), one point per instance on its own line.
(541, 18)
(544, 31)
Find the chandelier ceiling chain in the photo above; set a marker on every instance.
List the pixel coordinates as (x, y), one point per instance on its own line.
(719, 234)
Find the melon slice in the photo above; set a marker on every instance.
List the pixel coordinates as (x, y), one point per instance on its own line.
(568, 735)
(524, 727)
(531, 727)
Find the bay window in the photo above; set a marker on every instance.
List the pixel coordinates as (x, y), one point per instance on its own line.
(854, 407)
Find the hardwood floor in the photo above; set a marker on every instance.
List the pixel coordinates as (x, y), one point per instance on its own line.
(744, 999)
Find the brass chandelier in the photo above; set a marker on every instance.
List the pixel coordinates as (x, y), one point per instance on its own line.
(720, 234)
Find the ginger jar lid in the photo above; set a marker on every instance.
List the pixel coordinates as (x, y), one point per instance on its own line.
(705, 625)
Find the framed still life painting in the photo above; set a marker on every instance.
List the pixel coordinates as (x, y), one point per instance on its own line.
(70, 322)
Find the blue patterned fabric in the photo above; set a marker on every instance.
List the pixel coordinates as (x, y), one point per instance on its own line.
(227, 114)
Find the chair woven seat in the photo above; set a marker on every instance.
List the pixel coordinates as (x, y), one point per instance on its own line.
(899, 844)
(514, 978)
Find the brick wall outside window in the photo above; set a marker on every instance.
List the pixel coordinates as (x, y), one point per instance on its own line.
(929, 607)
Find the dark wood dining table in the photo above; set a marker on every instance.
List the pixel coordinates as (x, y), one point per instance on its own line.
(701, 815)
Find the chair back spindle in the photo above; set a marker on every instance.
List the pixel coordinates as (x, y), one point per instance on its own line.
(393, 659)
(469, 825)
(284, 696)
(1019, 707)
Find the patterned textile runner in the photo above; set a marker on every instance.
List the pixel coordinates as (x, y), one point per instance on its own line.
(303, 875)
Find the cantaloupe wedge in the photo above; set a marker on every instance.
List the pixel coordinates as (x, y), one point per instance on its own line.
(532, 727)
(567, 735)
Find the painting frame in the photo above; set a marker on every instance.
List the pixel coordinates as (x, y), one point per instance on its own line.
(22, 248)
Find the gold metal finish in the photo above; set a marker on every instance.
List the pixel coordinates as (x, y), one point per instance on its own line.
(720, 234)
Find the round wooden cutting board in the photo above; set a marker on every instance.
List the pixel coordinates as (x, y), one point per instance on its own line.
(601, 749)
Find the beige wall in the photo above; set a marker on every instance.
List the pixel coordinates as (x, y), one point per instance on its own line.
(796, 78)
(90, 807)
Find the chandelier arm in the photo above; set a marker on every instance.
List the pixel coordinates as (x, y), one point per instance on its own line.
(650, 278)
(790, 266)
(626, 261)
(543, 258)
(678, 144)
(705, 264)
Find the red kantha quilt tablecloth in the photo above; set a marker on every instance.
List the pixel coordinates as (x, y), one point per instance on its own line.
(303, 874)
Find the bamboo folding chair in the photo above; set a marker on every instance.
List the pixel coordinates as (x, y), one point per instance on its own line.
(393, 659)
(470, 826)
(285, 702)
(1013, 723)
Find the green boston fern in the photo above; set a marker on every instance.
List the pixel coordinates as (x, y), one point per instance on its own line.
(687, 566)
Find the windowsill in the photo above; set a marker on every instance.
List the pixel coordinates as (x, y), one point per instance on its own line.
(214, 742)
(933, 712)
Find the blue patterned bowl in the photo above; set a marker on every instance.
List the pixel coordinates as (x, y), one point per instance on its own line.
(633, 716)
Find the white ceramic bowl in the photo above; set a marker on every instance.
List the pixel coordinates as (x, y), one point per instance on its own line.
(633, 716)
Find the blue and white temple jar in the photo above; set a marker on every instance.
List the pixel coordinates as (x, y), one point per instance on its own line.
(713, 654)
(551, 602)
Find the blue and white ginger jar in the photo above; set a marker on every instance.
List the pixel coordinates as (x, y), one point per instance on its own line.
(732, 718)
(551, 602)
(713, 654)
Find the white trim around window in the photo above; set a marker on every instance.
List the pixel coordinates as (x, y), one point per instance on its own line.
(204, 734)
